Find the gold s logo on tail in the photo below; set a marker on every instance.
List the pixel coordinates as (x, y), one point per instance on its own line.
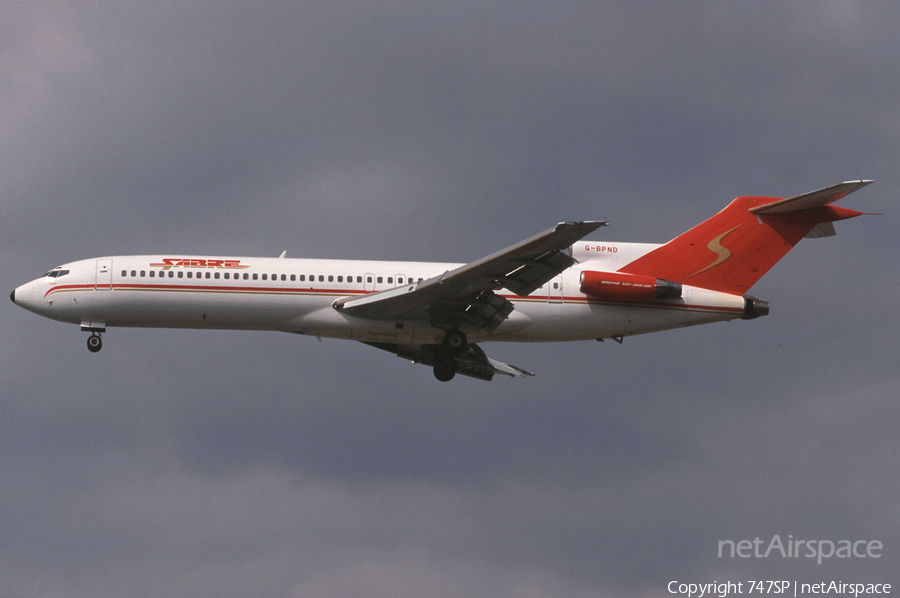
(716, 247)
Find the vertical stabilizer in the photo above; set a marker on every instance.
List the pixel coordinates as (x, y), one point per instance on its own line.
(736, 247)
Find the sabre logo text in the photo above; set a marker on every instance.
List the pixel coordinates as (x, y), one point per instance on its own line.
(169, 263)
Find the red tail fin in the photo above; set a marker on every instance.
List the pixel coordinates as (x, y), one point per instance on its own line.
(733, 249)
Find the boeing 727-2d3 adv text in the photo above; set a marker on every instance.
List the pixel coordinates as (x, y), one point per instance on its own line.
(551, 287)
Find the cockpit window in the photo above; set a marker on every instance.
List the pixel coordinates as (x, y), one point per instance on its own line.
(56, 273)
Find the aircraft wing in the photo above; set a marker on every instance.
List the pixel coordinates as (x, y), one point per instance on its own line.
(466, 295)
(473, 362)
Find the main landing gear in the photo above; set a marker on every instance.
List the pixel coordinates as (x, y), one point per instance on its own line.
(455, 344)
(94, 342)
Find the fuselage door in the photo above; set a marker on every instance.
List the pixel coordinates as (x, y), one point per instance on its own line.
(555, 290)
(369, 282)
(103, 281)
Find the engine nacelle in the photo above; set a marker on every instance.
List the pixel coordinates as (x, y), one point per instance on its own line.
(616, 286)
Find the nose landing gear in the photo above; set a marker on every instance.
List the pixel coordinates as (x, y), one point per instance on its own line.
(94, 342)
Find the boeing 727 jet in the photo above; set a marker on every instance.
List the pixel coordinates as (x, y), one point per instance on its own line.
(551, 287)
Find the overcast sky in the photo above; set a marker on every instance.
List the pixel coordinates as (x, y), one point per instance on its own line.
(242, 464)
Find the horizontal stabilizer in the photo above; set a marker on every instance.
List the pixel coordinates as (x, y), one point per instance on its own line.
(814, 199)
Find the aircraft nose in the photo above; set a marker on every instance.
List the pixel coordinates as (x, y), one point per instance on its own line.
(22, 296)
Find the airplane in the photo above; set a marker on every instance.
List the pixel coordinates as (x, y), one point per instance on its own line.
(554, 286)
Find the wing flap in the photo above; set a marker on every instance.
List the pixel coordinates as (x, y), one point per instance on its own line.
(473, 363)
(528, 278)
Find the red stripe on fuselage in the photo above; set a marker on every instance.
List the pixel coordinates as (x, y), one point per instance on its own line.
(344, 292)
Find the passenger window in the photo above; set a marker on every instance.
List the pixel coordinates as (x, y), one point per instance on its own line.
(274, 277)
(255, 276)
(390, 280)
(152, 273)
(190, 274)
(216, 275)
(264, 276)
(302, 277)
(359, 279)
(293, 277)
(143, 273)
(330, 278)
(246, 276)
(321, 278)
(207, 274)
(378, 280)
(227, 275)
(283, 277)
(171, 274)
(180, 274)
(133, 273)
(340, 279)
(368, 279)
(124, 273)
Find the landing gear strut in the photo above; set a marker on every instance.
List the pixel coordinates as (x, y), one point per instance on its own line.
(94, 342)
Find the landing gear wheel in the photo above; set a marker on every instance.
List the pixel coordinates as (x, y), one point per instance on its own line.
(445, 369)
(94, 343)
(455, 343)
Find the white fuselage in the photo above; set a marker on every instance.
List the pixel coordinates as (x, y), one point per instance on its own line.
(297, 295)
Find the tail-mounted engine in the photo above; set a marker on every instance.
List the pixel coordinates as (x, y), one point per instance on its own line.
(616, 286)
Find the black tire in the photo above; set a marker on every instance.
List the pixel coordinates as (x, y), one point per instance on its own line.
(445, 369)
(455, 343)
(94, 343)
